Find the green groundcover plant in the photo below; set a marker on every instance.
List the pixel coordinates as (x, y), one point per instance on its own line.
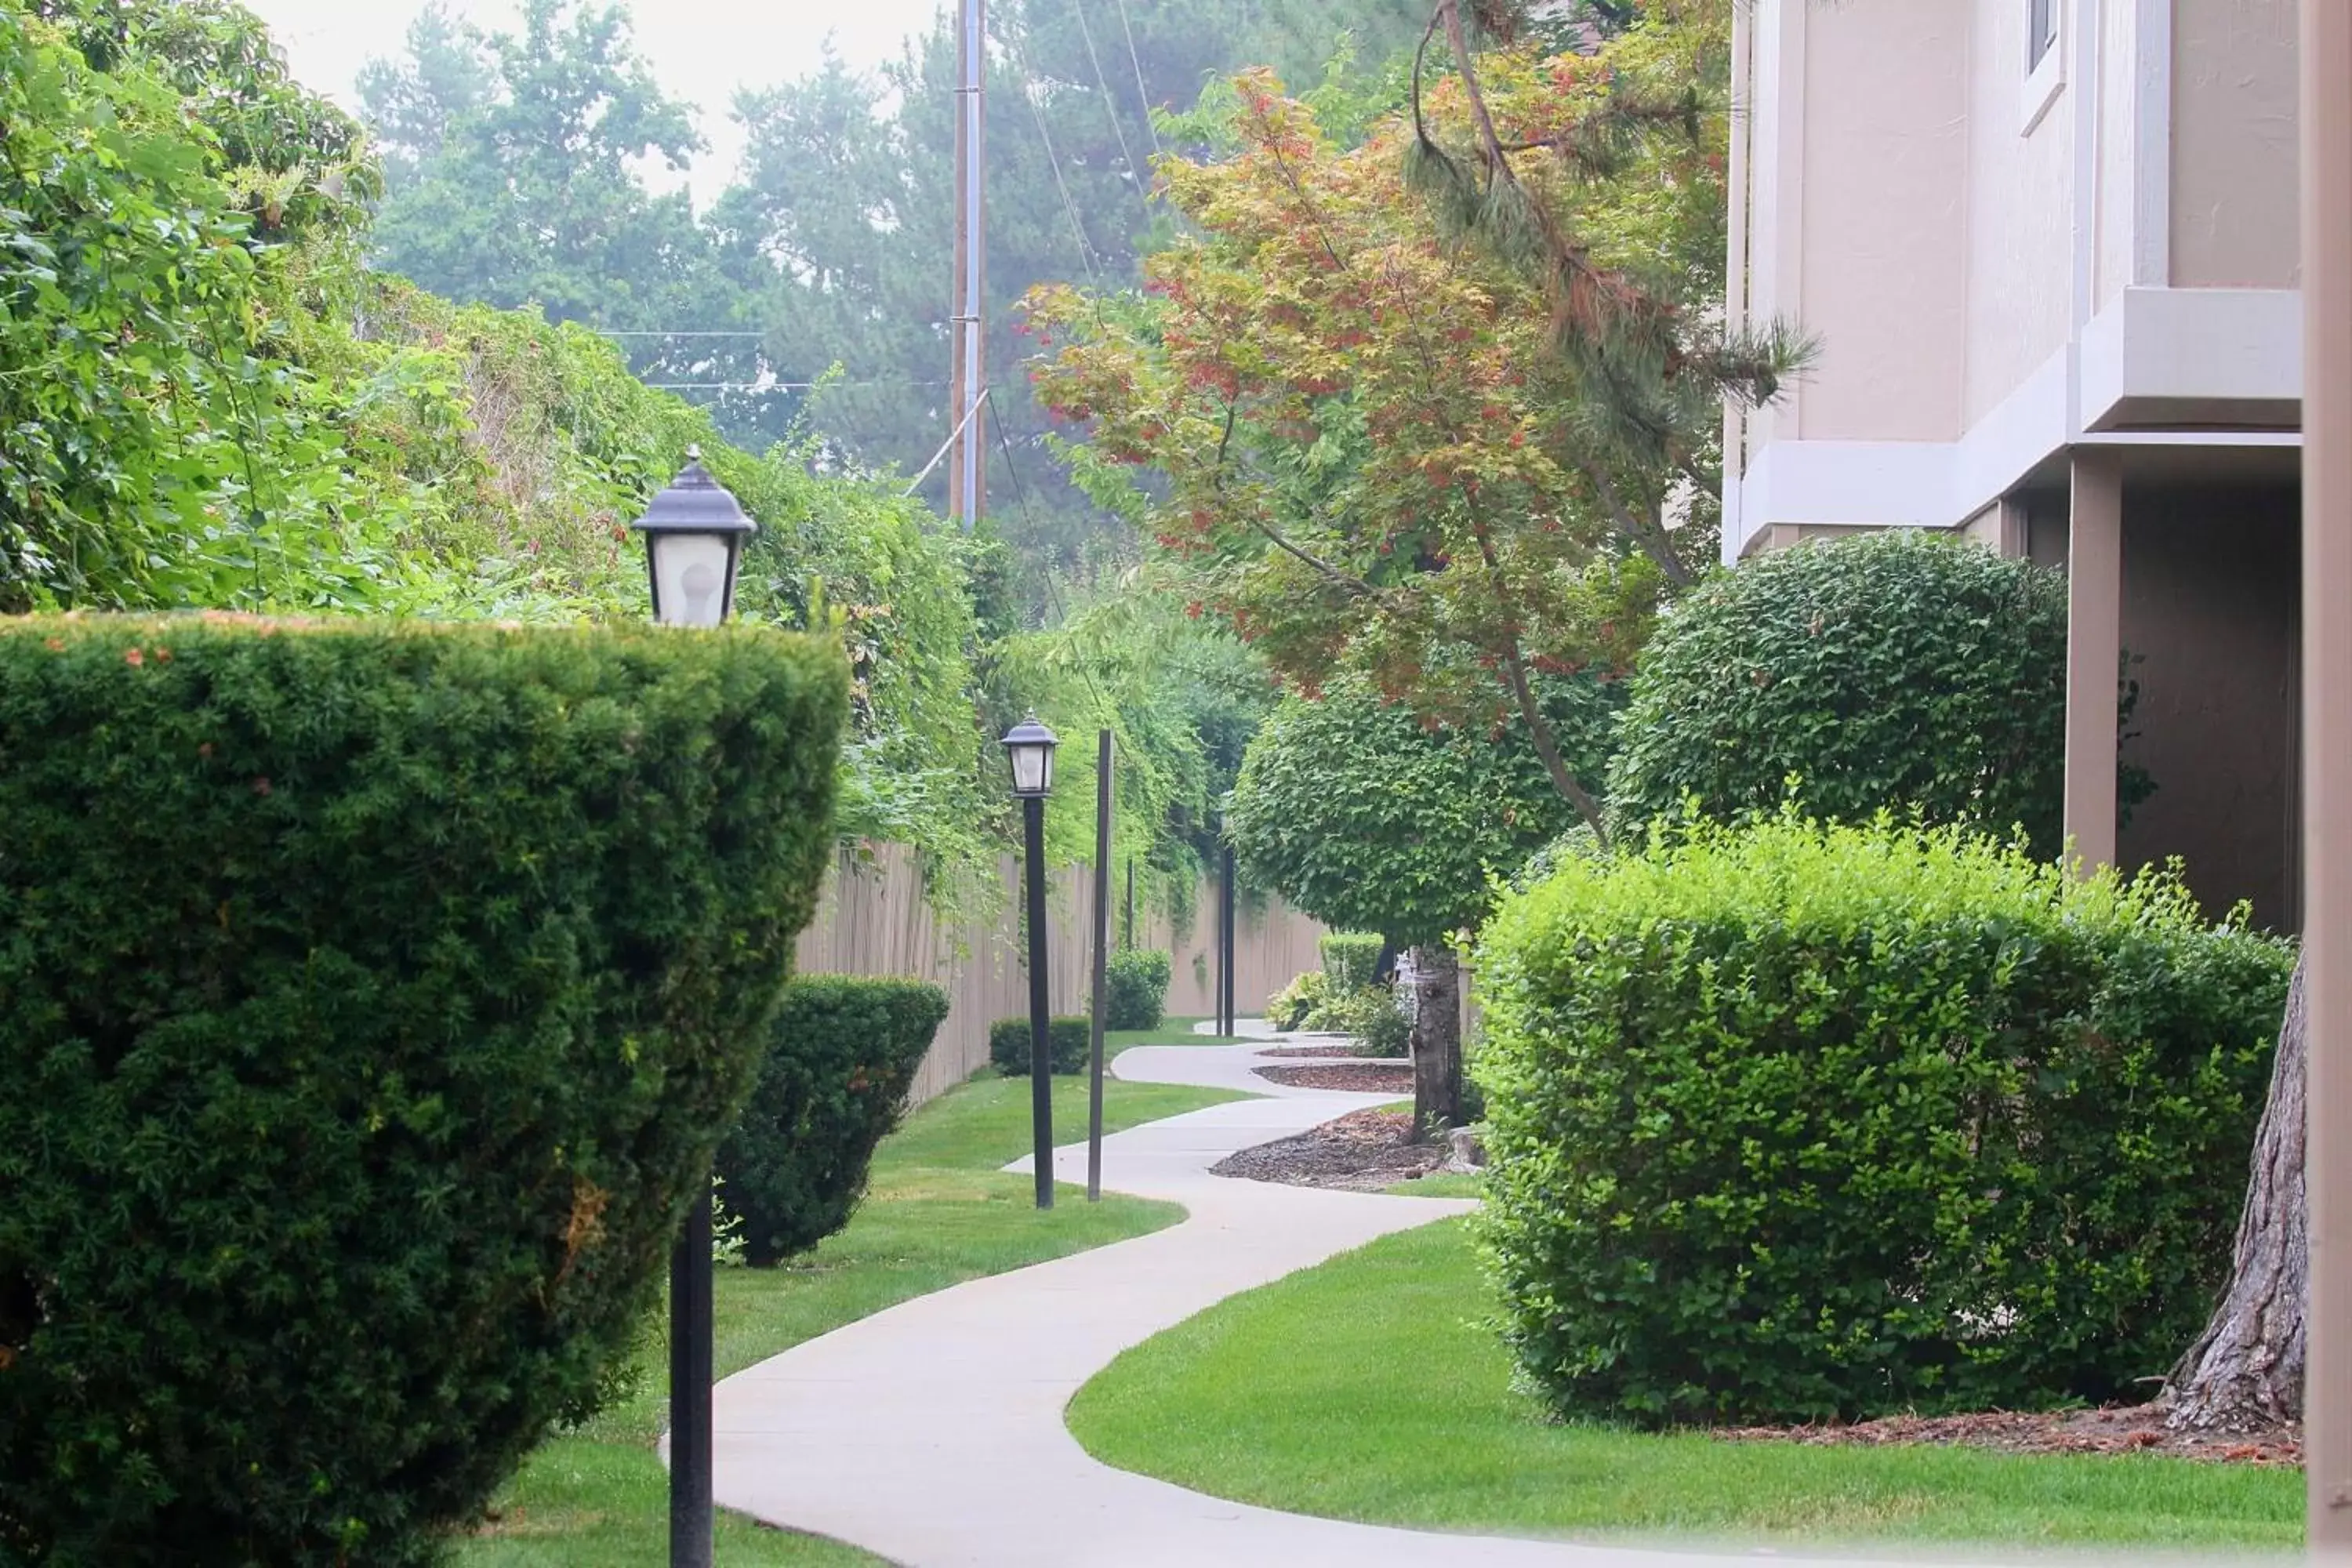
(1794, 1122)
(1069, 1045)
(372, 999)
(841, 1054)
(1135, 989)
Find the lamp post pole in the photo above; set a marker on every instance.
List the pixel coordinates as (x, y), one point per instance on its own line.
(690, 1389)
(694, 534)
(1041, 1057)
(1029, 748)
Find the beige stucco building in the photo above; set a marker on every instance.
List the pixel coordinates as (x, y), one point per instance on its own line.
(2047, 250)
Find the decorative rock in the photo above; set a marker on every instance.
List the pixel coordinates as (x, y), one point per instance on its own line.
(1469, 1154)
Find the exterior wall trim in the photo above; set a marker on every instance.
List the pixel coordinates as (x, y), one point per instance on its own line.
(2189, 345)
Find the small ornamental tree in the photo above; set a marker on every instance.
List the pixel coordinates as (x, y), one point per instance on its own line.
(1897, 671)
(372, 999)
(1369, 819)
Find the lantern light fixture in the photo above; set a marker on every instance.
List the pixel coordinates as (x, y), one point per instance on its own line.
(694, 532)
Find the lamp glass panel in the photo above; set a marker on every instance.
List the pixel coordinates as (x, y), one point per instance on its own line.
(691, 578)
(1032, 769)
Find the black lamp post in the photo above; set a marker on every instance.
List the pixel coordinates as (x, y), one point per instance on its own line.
(694, 539)
(1029, 747)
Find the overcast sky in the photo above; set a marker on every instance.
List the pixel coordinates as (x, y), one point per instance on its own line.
(702, 49)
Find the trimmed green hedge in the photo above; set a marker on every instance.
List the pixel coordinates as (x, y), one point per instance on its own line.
(1135, 989)
(1798, 1123)
(372, 999)
(841, 1054)
(1350, 958)
(1069, 1045)
(1897, 671)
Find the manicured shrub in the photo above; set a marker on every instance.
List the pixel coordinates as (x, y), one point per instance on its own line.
(1795, 1122)
(1893, 670)
(1069, 1045)
(1350, 958)
(841, 1053)
(372, 999)
(1135, 989)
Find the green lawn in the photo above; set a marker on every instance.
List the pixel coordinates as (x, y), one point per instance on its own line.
(1171, 1032)
(939, 1213)
(1365, 1389)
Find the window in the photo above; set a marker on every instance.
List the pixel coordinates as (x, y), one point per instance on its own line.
(2045, 57)
(2042, 32)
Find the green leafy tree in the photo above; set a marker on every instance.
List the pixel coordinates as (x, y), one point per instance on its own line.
(1371, 819)
(513, 158)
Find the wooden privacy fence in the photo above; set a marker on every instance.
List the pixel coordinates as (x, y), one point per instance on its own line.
(873, 920)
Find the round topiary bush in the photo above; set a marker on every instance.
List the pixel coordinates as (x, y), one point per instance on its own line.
(1795, 1122)
(1896, 670)
(1135, 989)
(372, 1000)
(841, 1053)
(1350, 959)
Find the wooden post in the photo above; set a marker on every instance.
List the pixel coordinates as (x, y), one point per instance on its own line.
(1102, 962)
(2326, 218)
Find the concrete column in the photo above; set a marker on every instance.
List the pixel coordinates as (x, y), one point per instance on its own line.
(2326, 112)
(2095, 582)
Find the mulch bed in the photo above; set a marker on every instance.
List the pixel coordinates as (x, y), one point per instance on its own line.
(2138, 1429)
(1355, 1077)
(1336, 1046)
(1362, 1152)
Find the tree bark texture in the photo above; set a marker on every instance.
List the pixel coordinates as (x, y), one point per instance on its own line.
(2245, 1371)
(1435, 976)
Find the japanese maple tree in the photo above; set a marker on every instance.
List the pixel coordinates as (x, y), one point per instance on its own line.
(1383, 436)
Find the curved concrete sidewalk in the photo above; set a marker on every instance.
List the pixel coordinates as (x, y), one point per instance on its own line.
(932, 1433)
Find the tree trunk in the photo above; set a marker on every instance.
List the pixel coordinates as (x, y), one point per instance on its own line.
(2245, 1371)
(1436, 1002)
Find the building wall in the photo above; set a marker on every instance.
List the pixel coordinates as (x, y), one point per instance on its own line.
(2021, 193)
(2210, 596)
(1885, 215)
(873, 920)
(2234, 136)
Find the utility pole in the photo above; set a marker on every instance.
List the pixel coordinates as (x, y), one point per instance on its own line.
(968, 375)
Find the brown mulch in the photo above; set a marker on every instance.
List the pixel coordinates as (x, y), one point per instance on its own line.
(1355, 1077)
(2138, 1429)
(1362, 1152)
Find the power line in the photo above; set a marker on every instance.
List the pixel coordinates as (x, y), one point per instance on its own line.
(1142, 93)
(779, 386)
(1077, 228)
(1110, 104)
